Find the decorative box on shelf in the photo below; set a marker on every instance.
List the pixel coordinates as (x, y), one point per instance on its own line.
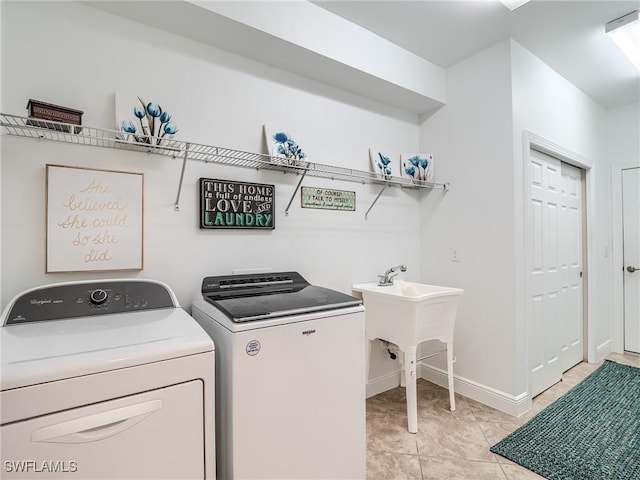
(53, 113)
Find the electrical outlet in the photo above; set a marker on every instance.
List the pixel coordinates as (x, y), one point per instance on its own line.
(455, 255)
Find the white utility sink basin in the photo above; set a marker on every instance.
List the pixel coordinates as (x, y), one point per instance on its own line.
(410, 291)
(407, 314)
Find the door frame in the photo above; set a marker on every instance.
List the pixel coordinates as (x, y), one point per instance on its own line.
(536, 142)
(617, 243)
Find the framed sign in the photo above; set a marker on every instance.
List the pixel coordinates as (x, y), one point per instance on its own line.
(227, 204)
(328, 199)
(94, 220)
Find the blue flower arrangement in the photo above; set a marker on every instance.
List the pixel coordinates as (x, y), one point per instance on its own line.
(155, 124)
(416, 167)
(384, 165)
(288, 148)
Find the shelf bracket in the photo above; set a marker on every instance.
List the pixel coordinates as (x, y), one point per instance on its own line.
(286, 212)
(375, 200)
(176, 205)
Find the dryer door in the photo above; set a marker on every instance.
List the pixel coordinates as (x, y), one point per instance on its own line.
(154, 435)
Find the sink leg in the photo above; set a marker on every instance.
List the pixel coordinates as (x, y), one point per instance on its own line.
(452, 395)
(412, 396)
(366, 380)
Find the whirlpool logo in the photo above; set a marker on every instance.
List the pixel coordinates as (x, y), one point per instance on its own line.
(308, 332)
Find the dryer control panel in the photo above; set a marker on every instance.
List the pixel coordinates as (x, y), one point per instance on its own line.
(82, 299)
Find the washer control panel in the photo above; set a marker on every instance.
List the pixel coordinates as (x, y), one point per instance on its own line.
(71, 300)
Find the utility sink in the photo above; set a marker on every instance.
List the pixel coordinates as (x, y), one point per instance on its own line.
(411, 291)
(407, 314)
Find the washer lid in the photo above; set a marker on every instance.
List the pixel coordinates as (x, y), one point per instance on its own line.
(39, 352)
(250, 297)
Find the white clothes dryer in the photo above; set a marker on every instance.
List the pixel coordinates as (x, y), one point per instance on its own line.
(105, 379)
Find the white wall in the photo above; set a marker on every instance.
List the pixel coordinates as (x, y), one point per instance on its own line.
(472, 142)
(477, 138)
(76, 56)
(623, 151)
(623, 135)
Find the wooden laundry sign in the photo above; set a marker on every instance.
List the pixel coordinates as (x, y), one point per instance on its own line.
(94, 219)
(236, 205)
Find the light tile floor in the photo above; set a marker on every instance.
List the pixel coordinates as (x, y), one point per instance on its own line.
(452, 445)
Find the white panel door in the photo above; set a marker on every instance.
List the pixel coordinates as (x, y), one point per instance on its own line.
(555, 276)
(631, 222)
(570, 260)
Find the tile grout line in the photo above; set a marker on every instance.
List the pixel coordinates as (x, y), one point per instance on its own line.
(419, 456)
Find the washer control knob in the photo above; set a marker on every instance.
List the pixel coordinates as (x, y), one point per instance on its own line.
(98, 296)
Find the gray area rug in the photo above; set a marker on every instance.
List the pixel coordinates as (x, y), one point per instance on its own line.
(590, 433)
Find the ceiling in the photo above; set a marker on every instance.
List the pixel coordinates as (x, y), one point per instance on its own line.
(567, 35)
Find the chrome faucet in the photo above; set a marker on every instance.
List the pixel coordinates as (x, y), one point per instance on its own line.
(389, 275)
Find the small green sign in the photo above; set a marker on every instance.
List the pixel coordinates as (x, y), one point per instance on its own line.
(328, 199)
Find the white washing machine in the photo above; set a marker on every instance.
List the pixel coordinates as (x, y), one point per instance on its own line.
(105, 379)
(290, 373)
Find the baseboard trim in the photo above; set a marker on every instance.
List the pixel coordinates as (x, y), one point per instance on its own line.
(383, 383)
(509, 404)
(603, 350)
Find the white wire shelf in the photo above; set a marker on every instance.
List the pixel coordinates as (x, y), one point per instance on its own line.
(99, 137)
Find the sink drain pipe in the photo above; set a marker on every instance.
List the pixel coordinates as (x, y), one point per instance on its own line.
(393, 350)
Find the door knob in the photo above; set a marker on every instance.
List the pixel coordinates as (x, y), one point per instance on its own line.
(631, 269)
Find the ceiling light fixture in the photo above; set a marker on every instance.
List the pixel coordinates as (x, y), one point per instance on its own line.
(625, 32)
(513, 4)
